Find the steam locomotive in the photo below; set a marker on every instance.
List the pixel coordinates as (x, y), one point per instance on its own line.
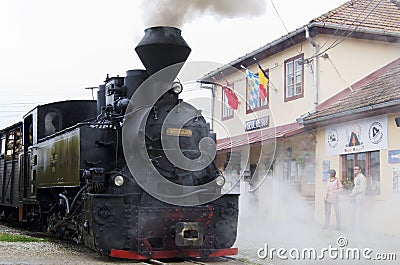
(131, 175)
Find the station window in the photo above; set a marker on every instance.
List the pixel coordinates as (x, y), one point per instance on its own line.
(254, 100)
(370, 164)
(290, 171)
(294, 72)
(227, 111)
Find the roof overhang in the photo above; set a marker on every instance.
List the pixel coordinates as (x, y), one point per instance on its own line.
(265, 135)
(11, 127)
(297, 36)
(352, 114)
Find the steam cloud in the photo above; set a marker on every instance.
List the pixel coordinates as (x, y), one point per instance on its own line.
(178, 12)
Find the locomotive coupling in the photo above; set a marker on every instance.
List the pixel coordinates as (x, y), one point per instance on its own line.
(188, 234)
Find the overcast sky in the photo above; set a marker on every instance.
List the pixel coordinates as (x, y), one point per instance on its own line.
(51, 50)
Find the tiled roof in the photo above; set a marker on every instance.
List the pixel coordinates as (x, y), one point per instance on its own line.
(378, 93)
(268, 134)
(369, 19)
(365, 14)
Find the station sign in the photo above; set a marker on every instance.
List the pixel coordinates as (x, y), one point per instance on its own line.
(257, 124)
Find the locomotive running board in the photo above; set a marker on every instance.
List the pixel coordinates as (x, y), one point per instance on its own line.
(165, 254)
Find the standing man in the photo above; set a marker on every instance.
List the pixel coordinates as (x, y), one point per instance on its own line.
(358, 193)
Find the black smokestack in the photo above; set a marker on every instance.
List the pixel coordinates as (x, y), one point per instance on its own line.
(162, 47)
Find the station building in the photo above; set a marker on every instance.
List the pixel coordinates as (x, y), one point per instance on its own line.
(361, 126)
(280, 138)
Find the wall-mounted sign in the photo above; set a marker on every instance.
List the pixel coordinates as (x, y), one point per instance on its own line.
(394, 156)
(396, 180)
(357, 136)
(326, 165)
(257, 124)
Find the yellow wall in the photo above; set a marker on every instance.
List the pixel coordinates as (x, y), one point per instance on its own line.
(320, 156)
(351, 61)
(383, 211)
(347, 63)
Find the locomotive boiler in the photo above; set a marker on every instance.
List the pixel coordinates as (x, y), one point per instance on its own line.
(131, 175)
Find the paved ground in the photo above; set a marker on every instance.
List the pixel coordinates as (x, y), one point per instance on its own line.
(294, 238)
(61, 252)
(290, 233)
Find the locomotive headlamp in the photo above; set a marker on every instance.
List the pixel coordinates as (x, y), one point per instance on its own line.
(177, 87)
(220, 180)
(118, 180)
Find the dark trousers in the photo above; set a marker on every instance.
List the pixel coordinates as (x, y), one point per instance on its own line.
(328, 207)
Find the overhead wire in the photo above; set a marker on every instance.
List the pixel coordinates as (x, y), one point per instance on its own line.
(284, 25)
(291, 39)
(341, 24)
(337, 41)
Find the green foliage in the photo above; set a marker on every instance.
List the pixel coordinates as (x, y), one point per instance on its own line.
(19, 238)
(301, 159)
(348, 184)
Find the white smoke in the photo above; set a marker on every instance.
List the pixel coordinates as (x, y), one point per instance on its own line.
(178, 12)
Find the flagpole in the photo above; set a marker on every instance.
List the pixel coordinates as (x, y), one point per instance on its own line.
(212, 89)
(269, 80)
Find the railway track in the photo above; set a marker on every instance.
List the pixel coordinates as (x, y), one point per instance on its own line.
(187, 261)
(68, 250)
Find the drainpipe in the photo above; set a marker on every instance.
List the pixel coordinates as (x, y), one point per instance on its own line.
(315, 72)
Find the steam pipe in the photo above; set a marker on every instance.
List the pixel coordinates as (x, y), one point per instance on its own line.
(66, 201)
(315, 65)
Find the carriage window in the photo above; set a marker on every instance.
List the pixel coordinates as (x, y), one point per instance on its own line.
(10, 144)
(30, 134)
(18, 140)
(3, 146)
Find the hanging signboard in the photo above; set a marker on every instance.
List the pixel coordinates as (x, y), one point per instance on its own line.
(357, 136)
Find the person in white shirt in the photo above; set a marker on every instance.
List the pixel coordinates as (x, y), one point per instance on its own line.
(358, 193)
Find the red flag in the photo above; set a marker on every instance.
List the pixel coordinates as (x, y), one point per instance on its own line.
(233, 101)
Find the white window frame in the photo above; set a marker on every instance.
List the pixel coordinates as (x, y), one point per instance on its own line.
(294, 77)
